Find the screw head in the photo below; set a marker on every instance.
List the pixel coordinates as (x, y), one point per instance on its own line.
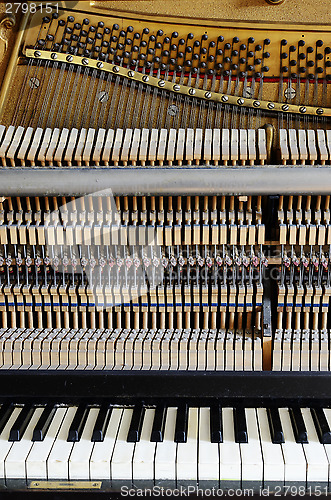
(207, 95)
(191, 91)
(69, 58)
(54, 55)
(145, 78)
(285, 107)
(271, 105)
(161, 83)
(303, 109)
(225, 98)
(256, 104)
(176, 88)
(319, 111)
(99, 65)
(131, 74)
(116, 69)
(85, 61)
(37, 53)
(240, 101)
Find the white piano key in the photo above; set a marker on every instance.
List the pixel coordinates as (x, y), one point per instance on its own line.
(99, 142)
(293, 143)
(143, 456)
(327, 447)
(189, 150)
(36, 141)
(262, 145)
(79, 460)
(102, 451)
(234, 145)
(15, 460)
(108, 146)
(317, 461)
(322, 147)
(126, 144)
(302, 142)
(230, 460)
(251, 143)
(37, 459)
(135, 145)
(118, 141)
(80, 146)
(153, 141)
(15, 142)
(328, 141)
(26, 141)
(243, 151)
(207, 148)
(198, 144)
(44, 145)
(88, 145)
(251, 457)
(187, 453)
(225, 152)
(71, 144)
(165, 454)
(311, 140)
(6, 140)
(57, 461)
(162, 146)
(172, 139)
(2, 132)
(180, 145)
(208, 454)
(143, 150)
(121, 462)
(216, 145)
(283, 145)
(294, 457)
(61, 145)
(52, 145)
(273, 461)
(6, 445)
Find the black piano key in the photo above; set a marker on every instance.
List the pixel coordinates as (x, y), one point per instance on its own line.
(5, 412)
(181, 424)
(275, 425)
(298, 424)
(240, 426)
(21, 423)
(78, 424)
(42, 426)
(136, 424)
(216, 427)
(158, 424)
(101, 423)
(322, 425)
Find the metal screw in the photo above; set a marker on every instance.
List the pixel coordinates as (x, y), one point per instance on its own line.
(176, 88)
(191, 91)
(256, 104)
(53, 55)
(161, 83)
(225, 98)
(37, 53)
(319, 111)
(290, 93)
(69, 58)
(285, 107)
(116, 69)
(100, 65)
(240, 101)
(34, 83)
(303, 109)
(172, 110)
(131, 74)
(145, 78)
(85, 62)
(102, 96)
(207, 95)
(271, 105)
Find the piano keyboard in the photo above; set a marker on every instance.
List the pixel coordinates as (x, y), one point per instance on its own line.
(169, 446)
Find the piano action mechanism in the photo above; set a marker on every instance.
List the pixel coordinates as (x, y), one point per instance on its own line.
(165, 249)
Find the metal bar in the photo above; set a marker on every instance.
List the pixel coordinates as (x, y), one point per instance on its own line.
(165, 181)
